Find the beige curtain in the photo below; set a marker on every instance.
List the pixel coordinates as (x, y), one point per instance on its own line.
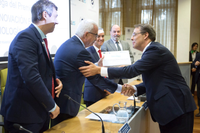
(161, 14)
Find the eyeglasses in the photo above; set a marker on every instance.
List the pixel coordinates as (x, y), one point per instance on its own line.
(134, 34)
(96, 35)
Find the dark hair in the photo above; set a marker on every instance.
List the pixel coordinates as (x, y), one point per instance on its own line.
(39, 7)
(195, 43)
(147, 28)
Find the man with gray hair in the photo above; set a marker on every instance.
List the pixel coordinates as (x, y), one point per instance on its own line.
(69, 57)
(31, 85)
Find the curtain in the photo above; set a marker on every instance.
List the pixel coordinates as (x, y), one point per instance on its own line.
(161, 14)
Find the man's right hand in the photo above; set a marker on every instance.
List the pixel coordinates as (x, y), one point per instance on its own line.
(128, 90)
(90, 70)
(197, 63)
(55, 113)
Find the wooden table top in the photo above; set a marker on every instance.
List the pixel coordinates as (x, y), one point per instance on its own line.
(80, 124)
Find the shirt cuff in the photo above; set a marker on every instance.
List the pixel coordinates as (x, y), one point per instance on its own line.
(119, 88)
(135, 90)
(53, 108)
(104, 71)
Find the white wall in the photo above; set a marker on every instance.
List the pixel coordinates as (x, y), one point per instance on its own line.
(183, 30)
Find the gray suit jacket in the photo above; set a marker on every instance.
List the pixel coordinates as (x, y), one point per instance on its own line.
(110, 46)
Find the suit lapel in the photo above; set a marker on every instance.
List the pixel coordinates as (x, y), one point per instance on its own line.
(41, 42)
(94, 53)
(112, 45)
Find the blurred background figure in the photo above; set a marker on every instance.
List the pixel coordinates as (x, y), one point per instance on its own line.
(192, 56)
(115, 44)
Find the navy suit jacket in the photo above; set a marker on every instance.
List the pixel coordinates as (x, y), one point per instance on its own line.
(168, 95)
(91, 92)
(27, 96)
(69, 57)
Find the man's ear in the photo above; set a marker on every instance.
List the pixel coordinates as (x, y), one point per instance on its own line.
(44, 15)
(146, 35)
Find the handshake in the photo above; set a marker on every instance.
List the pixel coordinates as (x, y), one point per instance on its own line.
(127, 90)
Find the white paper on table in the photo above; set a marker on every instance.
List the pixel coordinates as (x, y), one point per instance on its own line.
(104, 117)
(116, 58)
(130, 98)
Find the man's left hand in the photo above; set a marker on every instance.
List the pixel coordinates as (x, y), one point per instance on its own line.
(58, 88)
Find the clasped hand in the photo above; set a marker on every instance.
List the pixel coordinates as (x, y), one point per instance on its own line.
(128, 90)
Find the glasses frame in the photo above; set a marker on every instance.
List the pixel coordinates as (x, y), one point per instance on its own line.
(96, 35)
(134, 34)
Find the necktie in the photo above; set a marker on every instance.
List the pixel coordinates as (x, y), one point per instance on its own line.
(118, 47)
(46, 44)
(100, 55)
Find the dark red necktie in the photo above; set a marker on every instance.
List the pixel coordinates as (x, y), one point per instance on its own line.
(100, 55)
(52, 90)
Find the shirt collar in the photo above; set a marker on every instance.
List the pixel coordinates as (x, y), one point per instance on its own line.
(80, 40)
(146, 47)
(40, 31)
(97, 49)
(115, 41)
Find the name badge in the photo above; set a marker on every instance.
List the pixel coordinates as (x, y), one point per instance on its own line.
(125, 128)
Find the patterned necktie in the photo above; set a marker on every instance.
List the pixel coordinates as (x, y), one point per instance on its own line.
(118, 47)
(100, 55)
(46, 44)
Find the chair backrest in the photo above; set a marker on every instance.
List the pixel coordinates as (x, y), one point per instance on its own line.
(3, 74)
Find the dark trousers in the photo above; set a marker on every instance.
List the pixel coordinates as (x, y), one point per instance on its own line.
(182, 124)
(33, 127)
(198, 92)
(193, 82)
(61, 117)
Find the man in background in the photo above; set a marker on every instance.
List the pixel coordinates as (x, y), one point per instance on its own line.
(115, 44)
(168, 97)
(196, 64)
(69, 57)
(29, 94)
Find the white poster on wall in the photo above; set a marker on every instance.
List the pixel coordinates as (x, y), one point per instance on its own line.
(83, 9)
(15, 15)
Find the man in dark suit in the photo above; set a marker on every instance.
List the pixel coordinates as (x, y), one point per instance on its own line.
(27, 99)
(115, 44)
(192, 55)
(92, 93)
(168, 97)
(69, 57)
(196, 64)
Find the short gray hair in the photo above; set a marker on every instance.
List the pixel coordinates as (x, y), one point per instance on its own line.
(39, 7)
(85, 25)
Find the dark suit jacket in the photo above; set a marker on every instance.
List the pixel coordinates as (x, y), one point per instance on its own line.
(27, 97)
(91, 92)
(190, 59)
(197, 67)
(168, 96)
(69, 57)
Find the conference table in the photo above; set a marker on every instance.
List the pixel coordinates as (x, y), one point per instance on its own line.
(140, 122)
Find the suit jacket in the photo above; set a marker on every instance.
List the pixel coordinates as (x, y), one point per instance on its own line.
(91, 92)
(168, 95)
(69, 57)
(190, 59)
(110, 46)
(197, 67)
(27, 96)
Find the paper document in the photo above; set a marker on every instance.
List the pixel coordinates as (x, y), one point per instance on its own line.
(104, 117)
(116, 58)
